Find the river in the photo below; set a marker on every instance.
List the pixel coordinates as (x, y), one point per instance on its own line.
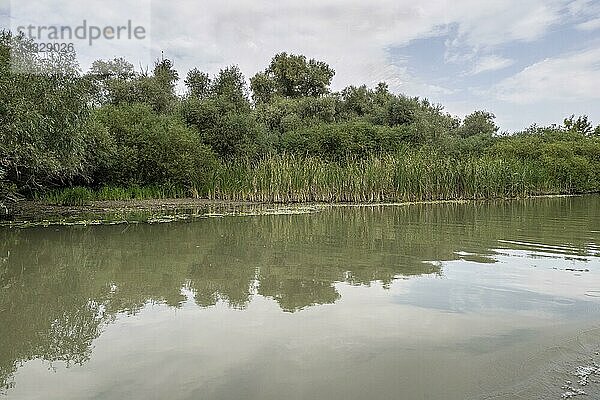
(478, 300)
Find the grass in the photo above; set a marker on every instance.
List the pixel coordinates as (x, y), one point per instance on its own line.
(81, 196)
(410, 176)
(75, 196)
(406, 177)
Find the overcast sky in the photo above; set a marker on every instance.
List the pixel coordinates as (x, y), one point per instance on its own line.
(524, 60)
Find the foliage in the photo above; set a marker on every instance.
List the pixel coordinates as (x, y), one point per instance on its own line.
(569, 157)
(229, 87)
(43, 119)
(580, 125)
(405, 176)
(151, 149)
(114, 130)
(79, 196)
(284, 114)
(291, 75)
(198, 84)
(234, 135)
(478, 123)
(340, 140)
(115, 82)
(219, 110)
(75, 196)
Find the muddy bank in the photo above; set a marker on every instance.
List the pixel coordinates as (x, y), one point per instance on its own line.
(37, 213)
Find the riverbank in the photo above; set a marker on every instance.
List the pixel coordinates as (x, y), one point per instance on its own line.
(39, 213)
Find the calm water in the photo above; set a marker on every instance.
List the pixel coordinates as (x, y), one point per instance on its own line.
(451, 301)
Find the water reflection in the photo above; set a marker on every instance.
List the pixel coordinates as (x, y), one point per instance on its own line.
(60, 288)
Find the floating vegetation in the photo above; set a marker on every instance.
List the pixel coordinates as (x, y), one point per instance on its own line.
(114, 212)
(164, 213)
(572, 392)
(584, 374)
(585, 371)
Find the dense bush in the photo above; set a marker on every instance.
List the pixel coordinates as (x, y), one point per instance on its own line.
(44, 113)
(341, 140)
(147, 148)
(568, 155)
(115, 82)
(284, 114)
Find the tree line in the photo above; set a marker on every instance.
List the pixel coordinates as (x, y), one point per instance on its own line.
(115, 126)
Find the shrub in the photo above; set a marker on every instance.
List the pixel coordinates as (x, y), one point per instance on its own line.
(75, 196)
(152, 149)
(340, 140)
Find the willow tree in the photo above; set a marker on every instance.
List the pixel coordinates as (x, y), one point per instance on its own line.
(44, 112)
(290, 75)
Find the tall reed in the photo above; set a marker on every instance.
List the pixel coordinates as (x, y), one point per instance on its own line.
(80, 196)
(406, 176)
(401, 177)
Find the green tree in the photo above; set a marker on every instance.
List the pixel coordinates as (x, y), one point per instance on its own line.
(198, 84)
(478, 123)
(229, 87)
(400, 110)
(222, 113)
(115, 82)
(234, 135)
(293, 76)
(110, 80)
(283, 114)
(357, 101)
(581, 125)
(44, 109)
(115, 68)
(263, 88)
(150, 148)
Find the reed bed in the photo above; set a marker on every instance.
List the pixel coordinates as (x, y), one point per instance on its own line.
(385, 178)
(416, 176)
(81, 196)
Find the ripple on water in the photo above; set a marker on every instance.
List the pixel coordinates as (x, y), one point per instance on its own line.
(547, 250)
(566, 370)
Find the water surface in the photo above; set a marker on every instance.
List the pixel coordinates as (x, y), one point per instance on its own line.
(484, 300)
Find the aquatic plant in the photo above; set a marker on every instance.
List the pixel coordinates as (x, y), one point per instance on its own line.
(407, 176)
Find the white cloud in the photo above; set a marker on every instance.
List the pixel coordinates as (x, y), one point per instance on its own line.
(571, 77)
(495, 22)
(41, 15)
(584, 8)
(491, 63)
(354, 36)
(590, 25)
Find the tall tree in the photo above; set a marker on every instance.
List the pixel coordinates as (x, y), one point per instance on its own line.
(44, 111)
(115, 82)
(198, 84)
(293, 76)
(581, 125)
(478, 122)
(229, 86)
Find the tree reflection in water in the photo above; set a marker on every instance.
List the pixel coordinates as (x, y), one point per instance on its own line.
(60, 287)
